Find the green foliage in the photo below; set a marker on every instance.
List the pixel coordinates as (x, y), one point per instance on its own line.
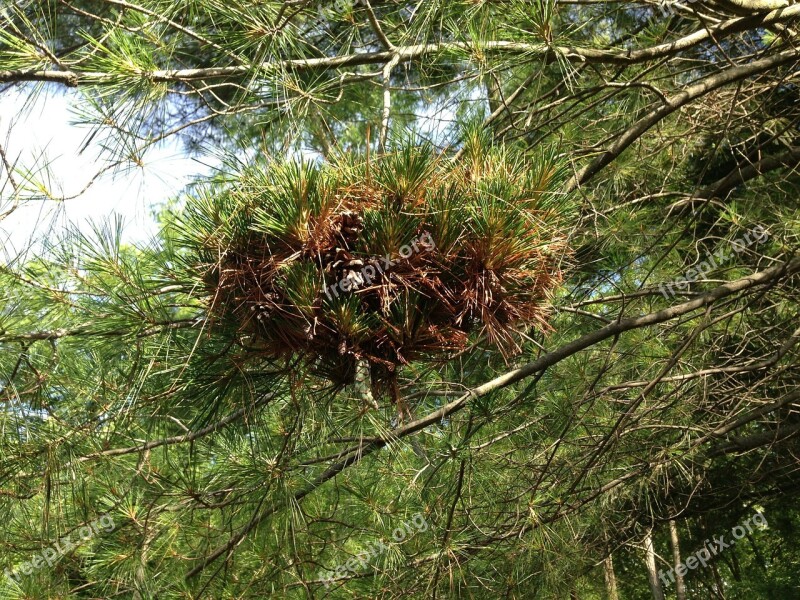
(541, 396)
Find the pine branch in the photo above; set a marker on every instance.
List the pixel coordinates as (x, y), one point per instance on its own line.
(181, 439)
(403, 54)
(692, 92)
(354, 455)
(88, 330)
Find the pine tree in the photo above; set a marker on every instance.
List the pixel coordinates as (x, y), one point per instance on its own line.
(587, 332)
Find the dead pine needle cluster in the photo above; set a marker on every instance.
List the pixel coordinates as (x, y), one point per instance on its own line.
(387, 260)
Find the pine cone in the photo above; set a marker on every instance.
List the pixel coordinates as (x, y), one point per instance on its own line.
(350, 226)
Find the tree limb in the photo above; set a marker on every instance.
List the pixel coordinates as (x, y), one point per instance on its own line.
(356, 454)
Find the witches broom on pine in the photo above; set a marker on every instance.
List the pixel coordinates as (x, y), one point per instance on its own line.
(311, 261)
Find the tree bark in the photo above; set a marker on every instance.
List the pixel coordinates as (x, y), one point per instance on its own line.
(719, 588)
(650, 561)
(611, 578)
(680, 588)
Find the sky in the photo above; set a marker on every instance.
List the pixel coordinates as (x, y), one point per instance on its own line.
(43, 137)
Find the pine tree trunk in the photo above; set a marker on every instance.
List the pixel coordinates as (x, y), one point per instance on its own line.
(652, 572)
(680, 588)
(720, 588)
(611, 578)
(493, 93)
(757, 553)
